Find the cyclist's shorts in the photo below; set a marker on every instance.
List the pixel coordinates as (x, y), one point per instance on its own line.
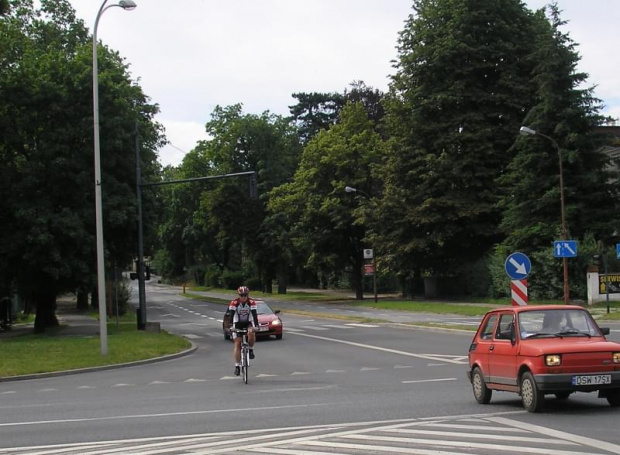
(240, 325)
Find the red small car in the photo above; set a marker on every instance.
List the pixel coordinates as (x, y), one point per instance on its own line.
(543, 350)
(269, 323)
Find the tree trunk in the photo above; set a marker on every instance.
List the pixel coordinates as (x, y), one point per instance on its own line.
(282, 280)
(82, 300)
(358, 279)
(46, 312)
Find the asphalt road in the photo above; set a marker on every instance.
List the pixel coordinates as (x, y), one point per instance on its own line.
(328, 386)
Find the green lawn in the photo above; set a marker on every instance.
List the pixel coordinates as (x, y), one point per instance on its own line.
(51, 351)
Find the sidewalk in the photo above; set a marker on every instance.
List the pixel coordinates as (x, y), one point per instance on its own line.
(73, 323)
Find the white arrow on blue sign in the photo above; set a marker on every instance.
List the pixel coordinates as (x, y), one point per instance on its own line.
(565, 249)
(518, 266)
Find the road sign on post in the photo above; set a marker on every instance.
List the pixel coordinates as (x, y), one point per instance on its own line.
(565, 249)
(617, 250)
(518, 292)
(518, 266)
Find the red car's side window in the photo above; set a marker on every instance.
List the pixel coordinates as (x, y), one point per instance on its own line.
(487, 330)
(505, 327)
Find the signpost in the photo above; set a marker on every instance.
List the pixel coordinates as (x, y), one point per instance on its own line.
(565, 249)
(518, 267)
(371, 268)
(617, 250)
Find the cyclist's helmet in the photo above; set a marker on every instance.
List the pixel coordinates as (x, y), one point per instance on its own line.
(243, 290)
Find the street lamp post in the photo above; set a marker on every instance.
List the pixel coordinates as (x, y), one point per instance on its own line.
(350, 189)
(103, 329)
(529, 131)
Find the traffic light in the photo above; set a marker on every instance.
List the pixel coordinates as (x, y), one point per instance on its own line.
(253, 186)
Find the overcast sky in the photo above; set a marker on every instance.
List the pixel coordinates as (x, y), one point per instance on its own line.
(192, 55)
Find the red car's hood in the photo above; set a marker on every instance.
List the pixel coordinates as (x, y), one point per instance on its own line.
(567, 345)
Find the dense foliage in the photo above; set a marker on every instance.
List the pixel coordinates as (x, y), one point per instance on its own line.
(47, 177)
(446, 187)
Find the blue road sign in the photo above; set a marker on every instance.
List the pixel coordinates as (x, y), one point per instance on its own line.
(518, 266)
(617, 250)
(565, 249)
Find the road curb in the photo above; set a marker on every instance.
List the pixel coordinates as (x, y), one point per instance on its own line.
(52, 374)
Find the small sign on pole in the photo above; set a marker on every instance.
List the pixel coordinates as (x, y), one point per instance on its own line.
(368, 253)
(369, 269)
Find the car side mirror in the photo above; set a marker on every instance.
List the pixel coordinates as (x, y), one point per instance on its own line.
(605, 330)
(277, 312)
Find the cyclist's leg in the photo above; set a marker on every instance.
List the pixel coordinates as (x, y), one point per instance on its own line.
(251, 341)
(237, 350)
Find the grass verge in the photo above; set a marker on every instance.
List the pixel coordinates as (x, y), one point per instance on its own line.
(53, 351)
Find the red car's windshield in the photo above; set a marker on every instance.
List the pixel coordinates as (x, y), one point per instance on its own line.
(560, 322)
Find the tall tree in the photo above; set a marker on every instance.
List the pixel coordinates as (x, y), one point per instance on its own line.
(459, 94)
(568, 114)
(321, 215)
(46, 146)
(226, 227)
(315, 112)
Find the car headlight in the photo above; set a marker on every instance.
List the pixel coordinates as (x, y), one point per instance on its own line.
(276, 322)
(553, 360)
(616, 357)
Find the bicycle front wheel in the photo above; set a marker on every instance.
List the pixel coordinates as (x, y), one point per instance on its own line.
(245, 365)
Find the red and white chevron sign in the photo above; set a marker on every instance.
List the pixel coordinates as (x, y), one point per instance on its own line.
(518, 292)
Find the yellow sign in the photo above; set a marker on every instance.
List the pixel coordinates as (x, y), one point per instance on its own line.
(611, 280)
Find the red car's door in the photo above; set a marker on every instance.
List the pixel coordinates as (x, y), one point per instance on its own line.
(503, 354)
(484, 344)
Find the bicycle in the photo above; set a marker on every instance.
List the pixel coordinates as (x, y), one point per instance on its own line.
(245, 352)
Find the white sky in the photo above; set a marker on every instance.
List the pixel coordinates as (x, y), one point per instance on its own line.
(191, 55)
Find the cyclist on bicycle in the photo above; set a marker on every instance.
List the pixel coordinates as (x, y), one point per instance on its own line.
(243, 315)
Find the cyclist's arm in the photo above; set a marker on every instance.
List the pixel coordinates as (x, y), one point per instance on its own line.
(232, 309)
(255, 317)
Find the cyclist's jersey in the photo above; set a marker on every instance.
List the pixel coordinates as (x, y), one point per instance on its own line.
(243, 314)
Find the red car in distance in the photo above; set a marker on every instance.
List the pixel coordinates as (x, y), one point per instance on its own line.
(543, 350)
(269, 323)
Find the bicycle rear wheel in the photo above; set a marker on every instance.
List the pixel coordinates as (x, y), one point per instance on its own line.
(244, 365)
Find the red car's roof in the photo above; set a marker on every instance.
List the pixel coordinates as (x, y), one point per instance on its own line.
(520, 309)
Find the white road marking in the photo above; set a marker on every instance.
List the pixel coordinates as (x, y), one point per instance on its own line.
(430, 380)
(164, 414)
(470, 435)
(377, 348)
(613, 448)
(362, 325)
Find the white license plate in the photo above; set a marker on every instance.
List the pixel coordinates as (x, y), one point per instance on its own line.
(592, 380)
(262, 329)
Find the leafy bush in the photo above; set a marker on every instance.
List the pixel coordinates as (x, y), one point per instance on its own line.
(121, 293)
(232, 279)
(213, 276)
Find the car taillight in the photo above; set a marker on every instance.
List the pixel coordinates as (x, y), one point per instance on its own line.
(553, 360)
(616, 357)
